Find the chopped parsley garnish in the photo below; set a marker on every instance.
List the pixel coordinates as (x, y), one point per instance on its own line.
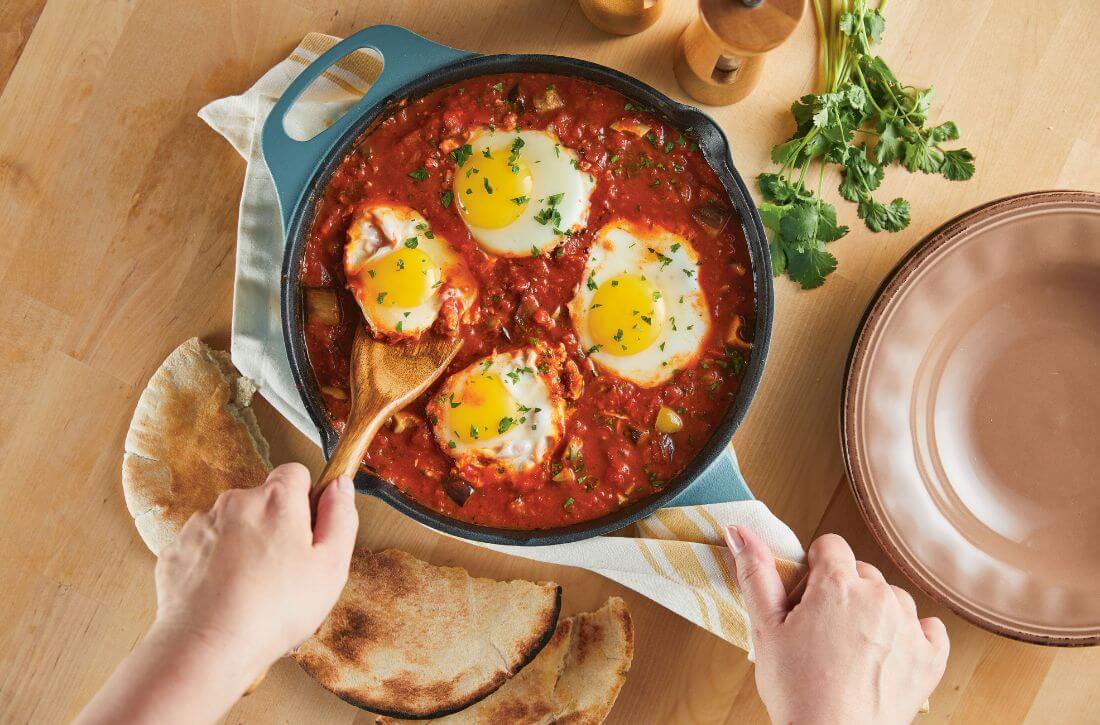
(520, 200)
(461, 154)
(568, 503)
(420, 174)
(412, 242)
(517, 144)
(381, 296)
(488, 187)
(505, 424)
(446, 198)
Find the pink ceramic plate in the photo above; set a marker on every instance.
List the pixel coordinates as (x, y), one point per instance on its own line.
(971, 416)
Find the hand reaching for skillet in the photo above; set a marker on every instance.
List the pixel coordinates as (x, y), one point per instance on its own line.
(243, 584)
(851, 650)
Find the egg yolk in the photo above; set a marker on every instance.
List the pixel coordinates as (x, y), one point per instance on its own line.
(493, 191)
(626, 315)
(483, 409)
(404, 278)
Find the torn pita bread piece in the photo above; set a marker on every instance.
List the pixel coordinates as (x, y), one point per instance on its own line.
(412, 640)
(193, 436)
(575, 678)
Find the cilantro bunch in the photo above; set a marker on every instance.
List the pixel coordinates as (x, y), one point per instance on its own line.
(864, 121)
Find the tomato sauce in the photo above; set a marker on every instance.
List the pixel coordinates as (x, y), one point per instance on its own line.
(659, 178)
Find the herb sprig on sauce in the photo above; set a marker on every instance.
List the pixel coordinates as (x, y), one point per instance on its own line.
(864, 121)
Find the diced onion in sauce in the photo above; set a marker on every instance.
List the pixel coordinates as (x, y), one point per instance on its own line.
(332, 392)
(322, 306)
(402, 421)
(565, 475)
(669, 421)
(548, 100)
(631, 126)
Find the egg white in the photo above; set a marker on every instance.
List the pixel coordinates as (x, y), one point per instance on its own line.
(536, 429)
(670, 263)
(554, 172)
(380, 230)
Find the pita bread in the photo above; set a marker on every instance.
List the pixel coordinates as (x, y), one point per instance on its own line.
(600, 653)
(192, 437)
(412, 640)
(575, 678)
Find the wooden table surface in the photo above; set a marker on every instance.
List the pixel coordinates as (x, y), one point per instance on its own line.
(118, 210)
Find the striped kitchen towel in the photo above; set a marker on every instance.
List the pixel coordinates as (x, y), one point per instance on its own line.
(679, 559)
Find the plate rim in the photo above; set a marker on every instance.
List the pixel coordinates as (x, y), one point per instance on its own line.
(895, 282)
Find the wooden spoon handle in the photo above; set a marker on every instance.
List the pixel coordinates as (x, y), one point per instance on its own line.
(363, 424)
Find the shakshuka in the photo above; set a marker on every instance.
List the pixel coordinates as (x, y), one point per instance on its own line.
(588, 258)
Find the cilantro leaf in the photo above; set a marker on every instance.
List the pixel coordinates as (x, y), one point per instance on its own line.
(859, 176)
(892, 217)
(958, 165)
(810, 266)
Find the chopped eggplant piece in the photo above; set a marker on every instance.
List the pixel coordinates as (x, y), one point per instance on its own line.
(733, 335)
(663, 447)
(322, 306)
(457, 489)
(516, 98)
(712, 216)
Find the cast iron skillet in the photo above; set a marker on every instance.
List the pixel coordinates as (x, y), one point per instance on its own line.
(413, 66)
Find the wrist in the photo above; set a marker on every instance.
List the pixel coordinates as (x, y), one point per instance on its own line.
(235, 665)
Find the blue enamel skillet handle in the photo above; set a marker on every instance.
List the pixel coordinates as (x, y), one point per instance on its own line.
(405, 56)
(721, 482)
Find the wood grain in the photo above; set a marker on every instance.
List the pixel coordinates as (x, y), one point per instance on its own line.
(118, 209)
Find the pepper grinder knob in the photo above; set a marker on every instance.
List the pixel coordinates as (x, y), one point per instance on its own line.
(720, 55)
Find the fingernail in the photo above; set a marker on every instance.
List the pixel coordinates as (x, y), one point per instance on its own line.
(733, 538)
(345, 485)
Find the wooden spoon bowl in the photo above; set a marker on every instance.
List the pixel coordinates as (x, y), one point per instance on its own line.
(384, 378)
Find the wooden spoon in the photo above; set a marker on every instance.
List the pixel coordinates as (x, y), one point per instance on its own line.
(384, 378)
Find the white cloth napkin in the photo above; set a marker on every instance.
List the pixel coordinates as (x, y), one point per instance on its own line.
(678, 561)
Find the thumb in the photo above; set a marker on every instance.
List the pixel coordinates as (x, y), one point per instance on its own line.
(761, 588)
(337, 519)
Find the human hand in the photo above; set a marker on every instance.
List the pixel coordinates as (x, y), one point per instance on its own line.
(251, 578)
(851, 650)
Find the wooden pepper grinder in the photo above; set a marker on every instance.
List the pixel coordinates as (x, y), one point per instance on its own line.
(720, 55)
(622, 17)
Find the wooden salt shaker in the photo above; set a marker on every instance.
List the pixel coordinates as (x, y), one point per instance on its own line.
(622, 17)
(720, 55)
